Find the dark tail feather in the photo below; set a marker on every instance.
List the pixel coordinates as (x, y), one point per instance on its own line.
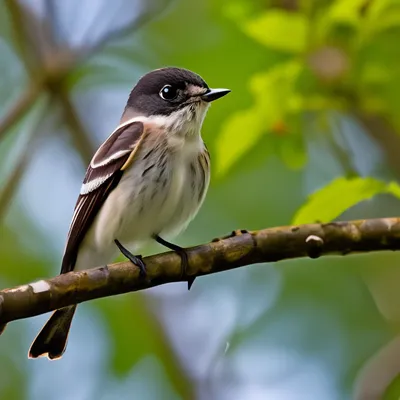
(52, 339)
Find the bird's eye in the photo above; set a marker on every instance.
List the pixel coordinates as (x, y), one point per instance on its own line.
(168, 92)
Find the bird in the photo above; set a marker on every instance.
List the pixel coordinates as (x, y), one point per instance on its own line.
(146, 181)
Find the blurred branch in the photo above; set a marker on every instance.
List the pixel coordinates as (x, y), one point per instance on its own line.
(385, 135)
(39, 47)
(21, 107)
(180, 377)
(242, 248)
(54, 64)
(143, 19)
(27, 52)
(13, 180)
(80, 137)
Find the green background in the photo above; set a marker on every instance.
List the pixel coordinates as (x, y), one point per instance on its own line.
(309, 133)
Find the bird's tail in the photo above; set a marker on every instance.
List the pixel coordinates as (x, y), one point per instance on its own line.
(52, 339)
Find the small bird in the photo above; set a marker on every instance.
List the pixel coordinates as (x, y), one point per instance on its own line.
(146, 181)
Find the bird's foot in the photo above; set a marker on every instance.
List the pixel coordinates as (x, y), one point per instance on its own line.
(182, 253)
(137, 260)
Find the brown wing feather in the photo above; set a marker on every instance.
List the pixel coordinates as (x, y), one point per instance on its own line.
(99, 181)
(88, 206)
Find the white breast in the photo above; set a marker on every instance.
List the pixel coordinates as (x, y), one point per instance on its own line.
(163, 201)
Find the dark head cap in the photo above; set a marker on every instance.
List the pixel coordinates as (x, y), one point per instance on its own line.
(165, 90)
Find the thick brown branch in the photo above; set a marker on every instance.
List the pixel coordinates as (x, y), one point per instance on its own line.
(266, 245)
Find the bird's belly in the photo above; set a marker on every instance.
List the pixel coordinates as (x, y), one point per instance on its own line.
(160, 202)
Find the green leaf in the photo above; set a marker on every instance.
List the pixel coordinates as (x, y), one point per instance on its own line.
(379, 8)
(346, 12)
(279, 30)
(394, 189)
(276, 101)
(239, 134)
(341, 14)
(332, 200)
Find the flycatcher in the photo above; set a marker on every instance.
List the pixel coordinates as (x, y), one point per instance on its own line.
(146, 181)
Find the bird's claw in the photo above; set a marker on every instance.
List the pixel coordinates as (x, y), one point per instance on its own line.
(136, 260)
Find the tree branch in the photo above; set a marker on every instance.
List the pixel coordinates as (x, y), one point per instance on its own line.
(19, 16)
(11, 182)
(21, 107)
(81, 139)
(268, 245)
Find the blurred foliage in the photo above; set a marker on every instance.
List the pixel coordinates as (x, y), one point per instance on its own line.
(310, 132)
(392, 392)
(340, 195)
(337, 56)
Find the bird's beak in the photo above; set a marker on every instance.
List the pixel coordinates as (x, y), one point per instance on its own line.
(214, 94)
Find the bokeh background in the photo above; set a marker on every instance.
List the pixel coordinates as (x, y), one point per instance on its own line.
(309, 133)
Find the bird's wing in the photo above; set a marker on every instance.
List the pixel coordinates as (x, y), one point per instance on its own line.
(102, 176)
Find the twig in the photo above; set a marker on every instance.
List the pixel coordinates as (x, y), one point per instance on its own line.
(80, 137)
(266, 245)
(23, 41)
(21, 108)
(143, 19)
(13, 180)
(12, 183)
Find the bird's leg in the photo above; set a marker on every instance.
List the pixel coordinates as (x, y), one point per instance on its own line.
(182, 253)
(238, 232)
(137, 260)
